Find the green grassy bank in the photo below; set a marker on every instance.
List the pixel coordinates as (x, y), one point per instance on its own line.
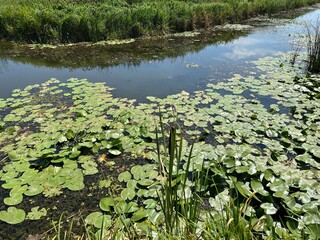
(56, 21)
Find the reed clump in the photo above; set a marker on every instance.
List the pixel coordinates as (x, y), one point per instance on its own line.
(59, 21)
(313, 48)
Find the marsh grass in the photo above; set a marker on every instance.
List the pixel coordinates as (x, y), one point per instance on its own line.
(63, 21)
(313, 47)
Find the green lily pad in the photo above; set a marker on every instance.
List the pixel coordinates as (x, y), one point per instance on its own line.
(12, 215)
(92, 217)
(128, 193)
(269, 208)
(106, 203)
(115, 152)
(14, 200)
(140, 214)
(36, 214)
(124, 176)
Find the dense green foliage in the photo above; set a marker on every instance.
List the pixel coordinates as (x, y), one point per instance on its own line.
(87, 20)
(235, 161)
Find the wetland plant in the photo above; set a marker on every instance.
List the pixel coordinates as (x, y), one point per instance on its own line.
(313, 47)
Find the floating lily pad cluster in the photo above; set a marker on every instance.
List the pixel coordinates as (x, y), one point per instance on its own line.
(256, 135)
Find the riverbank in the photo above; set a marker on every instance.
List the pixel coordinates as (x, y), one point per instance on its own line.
(91, 21)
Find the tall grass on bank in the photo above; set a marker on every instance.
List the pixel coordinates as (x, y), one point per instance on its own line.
(313, 47)
(59, 21)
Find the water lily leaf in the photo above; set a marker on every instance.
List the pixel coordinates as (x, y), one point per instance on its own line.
(115, 135)
(140, 214)
(257, 186)
(92, 217)
(124, 176)
(271, 133)
(145, 182)
(123, 207)
(103, 221)
(269, 208)
(86, 144)
(74, 184)
(279, 185)
(106, 203)
(62, 138)
(70, 134)
(114, 152)
(14, 200)
(14, 156)
(128, 193)
(150, 203)
(12, 118)
(36, 214)
(34, 189)
(74, 153)
(12, 215)
(243, 189)
(18, 190)
(156, 217)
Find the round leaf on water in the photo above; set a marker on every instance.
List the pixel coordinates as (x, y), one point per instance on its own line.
(145, 182)
(106, 203)
(74, 185)
(124, 176)
(12, 118)
(140, 214)
(269, 208)
(115, 135)
(92, 217)
(271, 133)
(18, 190)
(243, 189)
(114, 152)
(257, 186)
(12, 215)
(278, 185)
(129, 207)
(33, 189)
(132, 184)
(150, 203)
(13, 200)
(36, 214)
(11, 183)
(14, 156)
(103, 221)
(75, 153)
(128, 193)
(70, 134)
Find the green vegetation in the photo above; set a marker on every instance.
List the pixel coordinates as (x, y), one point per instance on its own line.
(313, 46)
(86, 20)
(217, 163)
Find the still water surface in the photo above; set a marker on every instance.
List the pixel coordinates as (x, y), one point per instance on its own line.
(158, 69)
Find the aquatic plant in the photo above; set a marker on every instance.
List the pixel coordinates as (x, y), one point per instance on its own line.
(237, 150)
(313, 47)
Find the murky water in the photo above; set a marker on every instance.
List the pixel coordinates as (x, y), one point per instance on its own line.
(156, 68)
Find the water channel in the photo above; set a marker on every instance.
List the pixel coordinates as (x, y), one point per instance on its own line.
(153, 67)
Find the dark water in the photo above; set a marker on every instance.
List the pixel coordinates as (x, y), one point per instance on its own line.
(145, 67)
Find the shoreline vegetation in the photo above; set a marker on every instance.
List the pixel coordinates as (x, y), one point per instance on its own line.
(71, 21)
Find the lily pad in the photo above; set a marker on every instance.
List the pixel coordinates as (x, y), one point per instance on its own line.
(12, 215)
